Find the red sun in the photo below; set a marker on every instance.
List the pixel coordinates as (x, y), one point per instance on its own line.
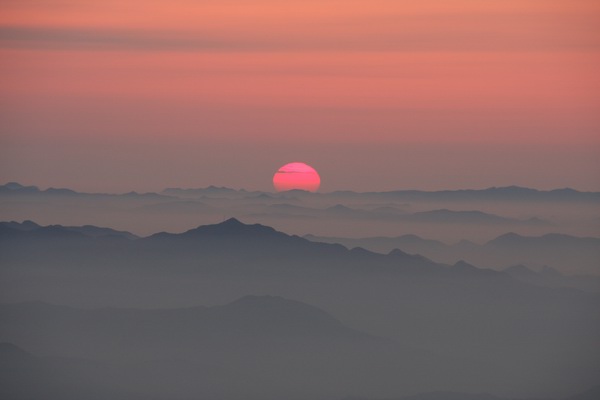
(296, 175)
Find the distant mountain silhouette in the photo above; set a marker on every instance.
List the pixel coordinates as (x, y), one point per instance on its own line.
(522, 272)
(445, 215)
(562, 252)
(492, 193)
(16, 189)
(176, 207)
(440, 216)
(85, 230)
(510, 193)
(471, 217)
(13, 187)
(551, 239)
(20, 226)
(550, 277)
(208, 191)
(11, 231)
(382, 244)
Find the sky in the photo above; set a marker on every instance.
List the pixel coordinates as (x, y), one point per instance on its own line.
(117, 95)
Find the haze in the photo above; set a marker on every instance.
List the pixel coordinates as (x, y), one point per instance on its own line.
(448, 247)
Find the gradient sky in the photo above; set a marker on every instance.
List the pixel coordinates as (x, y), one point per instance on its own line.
(376, 95)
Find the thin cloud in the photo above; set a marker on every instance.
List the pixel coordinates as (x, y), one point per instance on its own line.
(163, 40)
(105, 39)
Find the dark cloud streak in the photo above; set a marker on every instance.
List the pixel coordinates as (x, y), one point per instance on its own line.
(164, 40)
(97, 39)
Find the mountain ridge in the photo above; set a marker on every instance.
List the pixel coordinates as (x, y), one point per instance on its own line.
(256, 320)
(503, 190)
(560, 251)
(259, 241)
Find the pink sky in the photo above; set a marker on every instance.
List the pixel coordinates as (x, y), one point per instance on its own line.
(376, 95)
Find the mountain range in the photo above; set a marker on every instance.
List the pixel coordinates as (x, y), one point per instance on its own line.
(471, 328)
(559, 251)
(449, 216)
(492, 193)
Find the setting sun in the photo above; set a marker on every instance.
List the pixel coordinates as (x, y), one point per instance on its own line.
(296, 175)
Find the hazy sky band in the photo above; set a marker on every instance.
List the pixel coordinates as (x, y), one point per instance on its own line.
(413, 94)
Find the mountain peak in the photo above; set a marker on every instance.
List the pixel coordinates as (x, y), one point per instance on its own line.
(232, 226)
(231, 222)
(20, 226)
(398, 253)
(10, 186)
(509, 237)
(464, 266)
(13, 185)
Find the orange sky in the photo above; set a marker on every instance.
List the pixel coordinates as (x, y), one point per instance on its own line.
(233, 89)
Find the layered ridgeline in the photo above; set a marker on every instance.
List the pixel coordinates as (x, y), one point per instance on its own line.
(512, 193)
(557, 251)
(450, 216)
(453, 327)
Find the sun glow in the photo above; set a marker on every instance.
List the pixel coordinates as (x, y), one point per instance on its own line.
(296, 175)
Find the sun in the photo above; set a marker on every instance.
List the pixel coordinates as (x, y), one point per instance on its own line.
(296, 175)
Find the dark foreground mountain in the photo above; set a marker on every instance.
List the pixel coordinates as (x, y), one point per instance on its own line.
(590, 394)
(249, 323)
(257, 347)
(493, 194)
(25, 376)
(458, 327)
(28, 376)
